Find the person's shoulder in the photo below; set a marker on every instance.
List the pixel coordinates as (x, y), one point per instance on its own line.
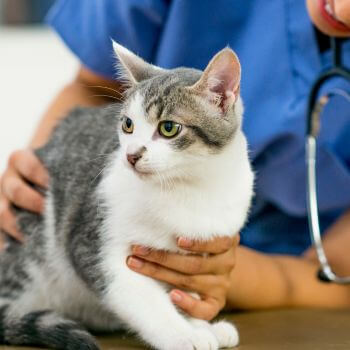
(87, 28)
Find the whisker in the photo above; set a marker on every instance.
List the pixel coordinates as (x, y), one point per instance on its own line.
(99, 173)
(115, 98)
(166, 182)
(107, 88)
(161, 181)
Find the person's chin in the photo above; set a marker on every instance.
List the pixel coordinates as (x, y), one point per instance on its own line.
(324, 21)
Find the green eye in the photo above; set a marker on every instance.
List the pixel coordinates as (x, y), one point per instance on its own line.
(128, 125)
(169, 129)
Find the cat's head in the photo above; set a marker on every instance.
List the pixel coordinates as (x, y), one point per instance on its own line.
(175, 121)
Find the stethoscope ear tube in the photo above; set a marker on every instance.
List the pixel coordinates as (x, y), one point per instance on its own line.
(315, 107)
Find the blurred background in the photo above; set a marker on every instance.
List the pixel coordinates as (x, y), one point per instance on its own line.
(34, 66)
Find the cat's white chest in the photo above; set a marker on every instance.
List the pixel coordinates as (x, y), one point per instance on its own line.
(142, 214)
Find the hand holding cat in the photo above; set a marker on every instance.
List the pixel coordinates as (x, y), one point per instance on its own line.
(209, 276)
(23, 167)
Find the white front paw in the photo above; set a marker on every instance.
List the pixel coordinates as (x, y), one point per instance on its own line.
(198, 339)
(226, 333)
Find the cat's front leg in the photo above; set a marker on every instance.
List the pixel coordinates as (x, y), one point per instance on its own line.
(145, 307)
(225, 332)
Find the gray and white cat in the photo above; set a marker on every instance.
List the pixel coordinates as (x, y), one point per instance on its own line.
(170, 161)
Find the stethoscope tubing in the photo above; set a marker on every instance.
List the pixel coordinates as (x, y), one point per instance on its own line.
(325, 272)
(315, 107)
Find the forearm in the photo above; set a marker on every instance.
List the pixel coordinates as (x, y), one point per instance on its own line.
(72, 95)
(262, 281)
(257, 282)
(85, 90)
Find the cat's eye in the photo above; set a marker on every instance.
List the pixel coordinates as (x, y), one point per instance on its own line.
(169, 128)
(128, 125)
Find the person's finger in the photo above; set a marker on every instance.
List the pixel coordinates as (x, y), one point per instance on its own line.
(197, 283)
(215, 246)
(188, 264)
(8, 221)
(205, 309)
(29, 166)
(22, 195)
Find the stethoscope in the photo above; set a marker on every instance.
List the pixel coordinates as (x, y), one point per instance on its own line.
(315, 107)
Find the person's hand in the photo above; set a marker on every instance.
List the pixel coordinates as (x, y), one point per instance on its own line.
(332, 17)
(208, 274)
(23, 167)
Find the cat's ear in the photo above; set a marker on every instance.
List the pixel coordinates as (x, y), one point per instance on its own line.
(220, 81)
(132, 67)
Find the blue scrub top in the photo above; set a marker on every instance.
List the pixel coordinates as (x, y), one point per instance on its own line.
(276, 44)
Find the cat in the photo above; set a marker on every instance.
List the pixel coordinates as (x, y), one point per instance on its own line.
(170, 160)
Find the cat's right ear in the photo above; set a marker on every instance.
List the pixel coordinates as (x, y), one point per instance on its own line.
(132, 67)
(220, 81)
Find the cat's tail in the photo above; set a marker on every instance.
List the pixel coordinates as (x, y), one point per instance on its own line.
(44, 328)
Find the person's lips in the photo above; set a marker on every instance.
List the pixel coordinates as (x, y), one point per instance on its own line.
(327, 13)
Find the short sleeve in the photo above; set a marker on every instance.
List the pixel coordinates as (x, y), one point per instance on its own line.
(87, 28)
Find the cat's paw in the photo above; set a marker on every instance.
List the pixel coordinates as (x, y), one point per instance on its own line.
(199, 339)
(226, 334)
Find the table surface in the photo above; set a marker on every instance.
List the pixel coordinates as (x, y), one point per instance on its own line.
(269, 330)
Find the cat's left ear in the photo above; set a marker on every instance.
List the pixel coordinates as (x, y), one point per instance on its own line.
(220, 81)
(132, 67)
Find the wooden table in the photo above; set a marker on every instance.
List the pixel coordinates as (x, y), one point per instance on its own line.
(270, 330)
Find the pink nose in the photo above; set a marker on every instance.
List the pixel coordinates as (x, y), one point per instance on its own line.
(133, 158)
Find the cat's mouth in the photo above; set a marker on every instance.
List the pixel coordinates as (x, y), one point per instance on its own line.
(141, 172)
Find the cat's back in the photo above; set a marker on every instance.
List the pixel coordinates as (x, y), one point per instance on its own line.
(76, 155)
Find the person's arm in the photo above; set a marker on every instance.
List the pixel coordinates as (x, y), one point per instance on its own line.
(264, 281)
(241, 278)
(337, 244)
(85, 90)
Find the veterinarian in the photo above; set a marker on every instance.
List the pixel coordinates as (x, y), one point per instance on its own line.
(281, 53)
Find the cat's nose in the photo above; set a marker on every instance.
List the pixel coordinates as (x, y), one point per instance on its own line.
(133, 158)
(133, 155)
